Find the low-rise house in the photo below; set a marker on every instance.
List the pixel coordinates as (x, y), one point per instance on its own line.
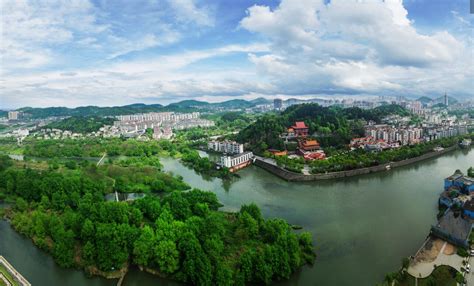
(236, 162)
(449, 197)
(230, 147)
(468, 209)
(276, 152)
(459, 180)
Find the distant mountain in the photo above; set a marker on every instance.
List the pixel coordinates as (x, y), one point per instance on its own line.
(187, 104)
(260, 101)
(425, 100)
(234, 103)
(90, 110)
(181, 106)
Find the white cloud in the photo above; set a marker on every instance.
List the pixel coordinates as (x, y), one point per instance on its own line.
(187, 11)
(31, 29)
(131, 81)
(292, 23)
(355, 46)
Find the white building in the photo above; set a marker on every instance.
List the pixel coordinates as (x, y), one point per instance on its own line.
(13, 115)
(230, 147)
(236, 160)
(162, 133)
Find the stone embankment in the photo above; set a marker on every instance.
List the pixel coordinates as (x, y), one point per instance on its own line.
(271, 166)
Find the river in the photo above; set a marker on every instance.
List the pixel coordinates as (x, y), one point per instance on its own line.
(362, 226)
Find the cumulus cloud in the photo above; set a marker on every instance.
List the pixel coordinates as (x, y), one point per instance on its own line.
(80, 52)
(135, 81)
(349, 46)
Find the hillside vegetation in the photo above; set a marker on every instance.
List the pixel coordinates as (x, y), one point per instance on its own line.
(333, 126)
(181, 235)
(81, 124)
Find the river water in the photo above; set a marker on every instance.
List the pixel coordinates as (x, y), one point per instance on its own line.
(362, 226)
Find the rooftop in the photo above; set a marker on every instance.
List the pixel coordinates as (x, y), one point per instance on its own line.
(456, 227)
(310, 142)
(455, 176)
(299, 125)
(469, 205)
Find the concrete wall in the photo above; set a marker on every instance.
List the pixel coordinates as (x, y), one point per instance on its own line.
(292, 176)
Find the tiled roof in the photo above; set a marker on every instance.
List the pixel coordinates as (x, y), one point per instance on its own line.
(300, 124)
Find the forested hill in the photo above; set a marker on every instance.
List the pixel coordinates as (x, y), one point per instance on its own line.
(334, 126)
(182, 106)
(90, 110)
(81, 124)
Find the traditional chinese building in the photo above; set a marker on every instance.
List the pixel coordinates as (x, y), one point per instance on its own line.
(306, 145)
(300, 129)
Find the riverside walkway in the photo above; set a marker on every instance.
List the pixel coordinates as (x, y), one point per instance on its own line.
(17, 277)
(422, 268)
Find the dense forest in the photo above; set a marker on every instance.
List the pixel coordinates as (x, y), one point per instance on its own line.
(181, 235)
(333, 126)
(81, 124)
(141, 150)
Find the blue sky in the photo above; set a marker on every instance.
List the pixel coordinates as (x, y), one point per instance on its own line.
(111, 52)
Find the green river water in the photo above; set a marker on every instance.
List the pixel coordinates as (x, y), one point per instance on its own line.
(361, 226)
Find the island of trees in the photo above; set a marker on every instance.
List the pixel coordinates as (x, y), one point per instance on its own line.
(173, 231)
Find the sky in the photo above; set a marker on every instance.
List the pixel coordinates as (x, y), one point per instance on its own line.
(113, 52)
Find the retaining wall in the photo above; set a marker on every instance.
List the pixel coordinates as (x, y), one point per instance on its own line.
(292, 176)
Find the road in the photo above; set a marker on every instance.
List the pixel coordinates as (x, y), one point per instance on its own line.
(101, 159)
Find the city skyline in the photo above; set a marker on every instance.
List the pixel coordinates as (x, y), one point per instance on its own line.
(78, 53)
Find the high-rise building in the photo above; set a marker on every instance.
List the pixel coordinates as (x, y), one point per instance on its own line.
(277, 104)
(13, 115)
(446, 100)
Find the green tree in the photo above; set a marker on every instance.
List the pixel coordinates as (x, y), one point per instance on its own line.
(167, 256)
(142, 247)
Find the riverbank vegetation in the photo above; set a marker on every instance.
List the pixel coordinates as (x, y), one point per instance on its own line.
(182, 235)
(345, 160)
(135, 152)
(350, 160)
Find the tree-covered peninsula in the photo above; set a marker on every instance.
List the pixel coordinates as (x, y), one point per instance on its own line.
(173, 232)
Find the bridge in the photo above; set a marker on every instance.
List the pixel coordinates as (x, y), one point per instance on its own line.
(9, 276)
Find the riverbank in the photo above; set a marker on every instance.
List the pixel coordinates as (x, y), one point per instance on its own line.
(376, 231)
(271, 166)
